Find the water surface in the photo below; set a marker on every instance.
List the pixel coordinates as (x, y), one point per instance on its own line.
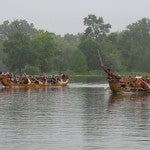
(83, 116)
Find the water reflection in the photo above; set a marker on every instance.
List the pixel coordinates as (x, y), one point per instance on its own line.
(29, 116)
(137, 101)
(83, 117)
(129, 96)
(8, 90)
(133, 110)
(134, 100)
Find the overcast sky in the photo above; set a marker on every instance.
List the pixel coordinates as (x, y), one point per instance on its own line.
(66, 16)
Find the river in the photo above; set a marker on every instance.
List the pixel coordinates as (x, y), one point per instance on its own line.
(82, 116)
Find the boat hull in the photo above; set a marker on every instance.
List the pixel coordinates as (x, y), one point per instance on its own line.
(7, 83)
(115, 87)
(118, 84)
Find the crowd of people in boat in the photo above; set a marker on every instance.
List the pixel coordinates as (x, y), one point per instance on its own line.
(131, 83)
(36, 79)
(137, 83)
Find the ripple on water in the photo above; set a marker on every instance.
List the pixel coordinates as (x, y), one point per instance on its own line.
(81, 116)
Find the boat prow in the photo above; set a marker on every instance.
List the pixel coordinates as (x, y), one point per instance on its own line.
(127, 84)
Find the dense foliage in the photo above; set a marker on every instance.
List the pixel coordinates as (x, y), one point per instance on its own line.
(26, 49)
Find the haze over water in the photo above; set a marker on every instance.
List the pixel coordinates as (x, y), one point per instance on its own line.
(83, 116)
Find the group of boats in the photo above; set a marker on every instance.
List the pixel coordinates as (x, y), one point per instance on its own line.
(116, 83)
(30, 81)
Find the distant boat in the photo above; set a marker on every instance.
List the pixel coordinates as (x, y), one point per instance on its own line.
(119, 84)
(5, 81)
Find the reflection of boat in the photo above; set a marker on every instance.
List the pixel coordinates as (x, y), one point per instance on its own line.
(127, 84)
(139, 96)
(43, 89)
(9, 83)
(137, 101)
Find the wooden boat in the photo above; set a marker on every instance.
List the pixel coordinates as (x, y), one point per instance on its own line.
(118, 84)
(7, 83)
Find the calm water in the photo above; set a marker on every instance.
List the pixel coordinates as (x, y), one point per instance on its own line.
(83, 116)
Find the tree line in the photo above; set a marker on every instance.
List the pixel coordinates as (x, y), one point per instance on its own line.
(23, 48)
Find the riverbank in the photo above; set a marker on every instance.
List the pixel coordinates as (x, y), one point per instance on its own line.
(101, 76)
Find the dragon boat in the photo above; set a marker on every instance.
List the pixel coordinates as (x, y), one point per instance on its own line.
(5, 81)
(118, 84)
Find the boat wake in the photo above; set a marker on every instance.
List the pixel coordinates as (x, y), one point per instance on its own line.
(88, 85)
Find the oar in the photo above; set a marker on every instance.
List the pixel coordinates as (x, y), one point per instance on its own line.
(100, 58)
(146, 84)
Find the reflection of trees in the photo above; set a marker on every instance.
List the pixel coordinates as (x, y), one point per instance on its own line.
(25, 112)
(120, 117)
(74, 116)
(93, 101)
(94, 115)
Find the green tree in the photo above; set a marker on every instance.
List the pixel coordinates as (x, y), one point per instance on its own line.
(95, 33)
(17, 50)
(9, 31)
(111, 56)
(140, 31)
(89, 48)
(66, 46)
(134, 44)
(46, 49)
(78, 62)
(22, 26)
(96, 28)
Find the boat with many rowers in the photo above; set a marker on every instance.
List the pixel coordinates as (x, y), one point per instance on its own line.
(29, 81)
(119, 84)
